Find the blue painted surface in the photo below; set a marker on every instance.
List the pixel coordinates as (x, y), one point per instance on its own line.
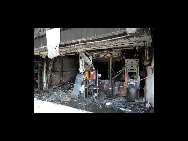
(133, 86)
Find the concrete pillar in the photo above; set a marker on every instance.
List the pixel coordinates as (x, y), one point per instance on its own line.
(150, 85)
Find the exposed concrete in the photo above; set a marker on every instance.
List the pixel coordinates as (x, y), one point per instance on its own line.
(150, 83)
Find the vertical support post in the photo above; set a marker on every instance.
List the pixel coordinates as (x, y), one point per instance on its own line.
(138, 81)
(145, 90)
(97, 84)
(111, 76)
(108, 70)
(44, 76)
(138, 94)
(84, 87)
(80, 63)
(39, 75)
(145, 54)
(47, 71)
(60, 68)
(49, 74)
(125, 73)
(87, 87)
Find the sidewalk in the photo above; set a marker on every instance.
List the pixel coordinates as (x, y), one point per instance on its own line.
(48, 107)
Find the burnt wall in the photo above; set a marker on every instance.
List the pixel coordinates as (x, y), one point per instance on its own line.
(65, 68)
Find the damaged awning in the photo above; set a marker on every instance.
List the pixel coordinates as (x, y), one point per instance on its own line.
(115, 40)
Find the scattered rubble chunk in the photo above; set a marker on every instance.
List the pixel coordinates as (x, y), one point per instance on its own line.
(122, 109)
(127, 110)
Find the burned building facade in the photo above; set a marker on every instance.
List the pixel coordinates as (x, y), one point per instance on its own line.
(96, 60)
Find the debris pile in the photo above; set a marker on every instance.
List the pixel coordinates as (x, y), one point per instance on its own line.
(103, 102)
(55, 94)
(115, 103)
(120, 103)
(104, 88)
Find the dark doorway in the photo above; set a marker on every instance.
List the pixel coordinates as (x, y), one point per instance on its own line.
(102, 68)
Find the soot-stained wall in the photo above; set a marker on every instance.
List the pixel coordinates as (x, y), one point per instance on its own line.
(65, 68)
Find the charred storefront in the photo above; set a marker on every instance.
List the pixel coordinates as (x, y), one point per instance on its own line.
(111, 67)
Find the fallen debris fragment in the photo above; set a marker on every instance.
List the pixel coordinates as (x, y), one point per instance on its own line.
(127, 110)
(122, 109)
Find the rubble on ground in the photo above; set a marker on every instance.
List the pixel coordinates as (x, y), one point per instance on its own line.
(54, 94)
(62, 94)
